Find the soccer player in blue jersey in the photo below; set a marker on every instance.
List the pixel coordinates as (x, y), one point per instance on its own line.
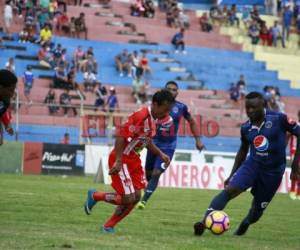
(265, 134)
(165, 140)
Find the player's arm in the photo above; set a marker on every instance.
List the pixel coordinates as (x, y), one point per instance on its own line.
(193, 126)
(119, 148)
(156, 151)
(295, 173)
(293, 127)
(239, 159)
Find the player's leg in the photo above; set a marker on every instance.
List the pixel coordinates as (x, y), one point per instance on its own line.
(263, 190)
(292, 192)
(156, 173)
(137, 180)
(298, 189)
(240, 181)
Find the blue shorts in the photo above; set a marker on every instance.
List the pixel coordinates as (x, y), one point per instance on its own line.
(263, 181)
(153, 161)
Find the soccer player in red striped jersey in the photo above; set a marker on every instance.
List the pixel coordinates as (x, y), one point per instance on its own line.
(124, 161)
(295, 182)
(8, 82)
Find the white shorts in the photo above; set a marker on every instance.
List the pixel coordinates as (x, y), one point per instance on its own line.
(7, 21)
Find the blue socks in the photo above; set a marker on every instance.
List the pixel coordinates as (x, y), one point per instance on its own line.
(218, 203)
(152, 185)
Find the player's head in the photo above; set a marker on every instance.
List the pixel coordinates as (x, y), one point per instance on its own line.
(162, 102)
(255, 105)
(172, 87)
(8, 82)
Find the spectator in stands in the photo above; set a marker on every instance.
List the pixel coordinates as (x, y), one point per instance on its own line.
(234, 93)
(65, 100)
(71, 76)
(72, 27)
(89, 80)
(64, 4)
(253, 32)
(178, 41)
(246, 16)
(241, 85)
(45, 58)
(137, 8)
(184, 20)
(149, 9)
(255, 15)
(50, 100)
(57, 53)
(63, 23)
(232, 16)
(144, 64)
(136, 70)
(265, 35)
(45, 35)
(205, 23)
(60, 79)
(141, 96)
(66, 139)
(24, 35)
(78, 58)
(123, 63)
(8, 16)
(216, 15)
(80, 26)
(112, 101)
(101, 93)
(28, 80)
(287, 17)
(275, 33)
(10, 65)
(52, 8)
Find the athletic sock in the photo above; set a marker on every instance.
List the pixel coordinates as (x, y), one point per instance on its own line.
(111, 198)
(152, 185)
(298, 187)
(121, 212)
(218, 203)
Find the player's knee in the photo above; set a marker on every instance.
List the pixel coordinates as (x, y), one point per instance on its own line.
(232, 192)
(129, 199)
(156, 174)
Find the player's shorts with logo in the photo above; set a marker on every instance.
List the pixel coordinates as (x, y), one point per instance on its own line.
(131, 176)
(154, 161)
(263, 180)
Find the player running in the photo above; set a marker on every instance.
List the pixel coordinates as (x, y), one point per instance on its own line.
(262, 170)
(8, 82)
(165, 140)
(294, 192)
(124, 160)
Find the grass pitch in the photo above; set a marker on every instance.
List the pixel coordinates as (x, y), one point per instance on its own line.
(46, 212)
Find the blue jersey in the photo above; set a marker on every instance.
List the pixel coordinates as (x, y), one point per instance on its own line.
(28, 77)
(167, 137)
(268, 142)
(3, 106)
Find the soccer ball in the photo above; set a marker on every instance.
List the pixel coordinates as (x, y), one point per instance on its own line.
(217, 222)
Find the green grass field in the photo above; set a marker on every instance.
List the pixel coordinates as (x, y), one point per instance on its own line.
(46, 212)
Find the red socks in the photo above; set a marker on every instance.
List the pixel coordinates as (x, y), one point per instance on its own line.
(120, 213)
(293, 186)
(111, 198)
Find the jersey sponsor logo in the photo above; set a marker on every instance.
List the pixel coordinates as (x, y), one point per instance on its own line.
(175, 110)
(264, 204)
(261, 143)
(269, 124)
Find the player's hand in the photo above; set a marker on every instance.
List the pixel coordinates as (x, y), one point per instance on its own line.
(10, 130)
(165, 159)
(226, 182)
(199, 145)
(116, 168)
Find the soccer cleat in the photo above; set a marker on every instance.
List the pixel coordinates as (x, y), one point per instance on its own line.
(90, 202)
(199, 228)
(293, 195)
(242, 229)
(110, 230)
(141, 205)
